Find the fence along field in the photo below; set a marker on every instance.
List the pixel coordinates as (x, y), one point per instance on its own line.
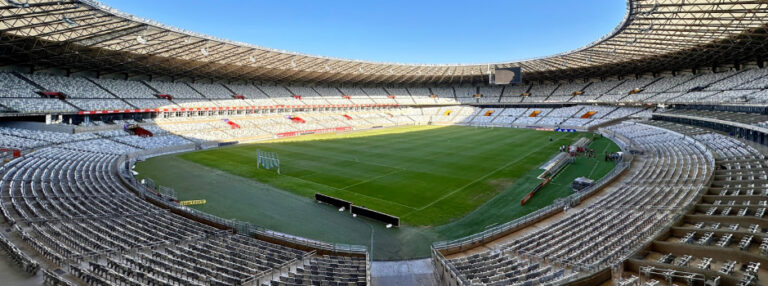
(425, 178)
(443, 182)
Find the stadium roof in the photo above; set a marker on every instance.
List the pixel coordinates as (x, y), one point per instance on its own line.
(655, 35)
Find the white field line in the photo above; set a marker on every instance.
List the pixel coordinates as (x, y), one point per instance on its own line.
(372, 179)
(335, 188)
(479, 179)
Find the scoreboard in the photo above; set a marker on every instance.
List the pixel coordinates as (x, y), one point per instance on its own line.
(503, 76)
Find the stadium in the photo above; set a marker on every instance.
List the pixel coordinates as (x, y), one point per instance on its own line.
(138, 153)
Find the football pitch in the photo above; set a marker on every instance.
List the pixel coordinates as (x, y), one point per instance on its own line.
(443, 182)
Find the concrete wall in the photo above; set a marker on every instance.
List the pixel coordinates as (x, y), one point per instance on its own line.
(40, 126)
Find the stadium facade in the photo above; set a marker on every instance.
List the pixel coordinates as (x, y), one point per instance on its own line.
(86, 90)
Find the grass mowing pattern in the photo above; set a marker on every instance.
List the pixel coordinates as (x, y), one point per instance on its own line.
(246, 199)
(506, 206)
(428, 177)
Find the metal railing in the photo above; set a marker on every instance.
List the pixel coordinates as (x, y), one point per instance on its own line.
(440, 260)
(648, 236)
(249, 229)
(533, 216)
(274, 273)
(244, 228)
(557, 206)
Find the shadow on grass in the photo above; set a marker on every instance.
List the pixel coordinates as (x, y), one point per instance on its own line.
(255, 200)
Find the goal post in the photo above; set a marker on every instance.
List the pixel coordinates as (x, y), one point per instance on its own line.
(267, 160)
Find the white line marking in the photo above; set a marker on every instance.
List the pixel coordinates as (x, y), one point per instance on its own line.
(478, 179)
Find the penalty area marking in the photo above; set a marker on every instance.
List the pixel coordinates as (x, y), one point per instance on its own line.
(476, 180)
(373, 179)
(356, 193)
(397, 169)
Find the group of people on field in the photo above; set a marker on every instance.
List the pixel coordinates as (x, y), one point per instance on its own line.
(577, 151)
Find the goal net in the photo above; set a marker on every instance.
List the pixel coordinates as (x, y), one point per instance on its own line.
(267, 160)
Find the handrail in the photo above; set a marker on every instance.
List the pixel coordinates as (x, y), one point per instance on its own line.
(673, 215)
(536, 215)
(244, 228)
(443, 261)
(533, 216)
(256, 280)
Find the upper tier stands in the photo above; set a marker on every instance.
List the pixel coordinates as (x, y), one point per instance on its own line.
(212, 90)
(13, 86)
(73, 87)
(330, 92)
(513, 94)
(630, 84)
(246, 90)
(748, 79)
(175, 89)
(703, 80)
(602, 87)
(38, 105)
(126, 88)
(667, 83)
(542, 90)
(101, 104)
(152, 103)
(567, 89)
(18, 92)
(755, 119)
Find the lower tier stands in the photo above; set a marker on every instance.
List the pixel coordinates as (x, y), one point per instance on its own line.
(64, 200)
(66, 204)
(672, 172)
(722, 239)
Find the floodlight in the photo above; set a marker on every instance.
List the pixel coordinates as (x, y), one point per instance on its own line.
(17, 4)
(69, 21)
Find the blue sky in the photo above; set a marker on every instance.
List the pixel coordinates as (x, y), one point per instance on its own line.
(446, 31)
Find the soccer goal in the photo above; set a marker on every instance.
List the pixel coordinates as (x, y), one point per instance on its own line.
(267, 160)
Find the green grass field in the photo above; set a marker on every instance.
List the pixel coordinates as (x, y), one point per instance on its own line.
(425, 178)
(443, 182)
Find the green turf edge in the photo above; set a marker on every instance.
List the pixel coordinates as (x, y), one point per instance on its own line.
(390, 244)
(392, 194)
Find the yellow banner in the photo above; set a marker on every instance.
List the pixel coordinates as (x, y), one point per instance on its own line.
(192, 202)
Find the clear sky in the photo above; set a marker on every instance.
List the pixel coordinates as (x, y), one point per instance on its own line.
(415, 31)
